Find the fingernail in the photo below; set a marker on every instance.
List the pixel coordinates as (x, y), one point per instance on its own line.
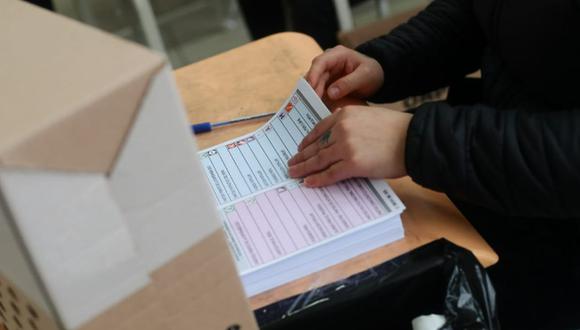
(291, 170)
(308, 182)
(333, 91)
(291, 161)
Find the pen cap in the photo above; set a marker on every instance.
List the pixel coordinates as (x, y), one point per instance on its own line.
(201, 128)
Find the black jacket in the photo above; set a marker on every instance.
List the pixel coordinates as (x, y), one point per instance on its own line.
(513, 155)
(518, 150)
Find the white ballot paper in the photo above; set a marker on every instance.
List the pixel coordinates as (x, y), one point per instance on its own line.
(278, 229)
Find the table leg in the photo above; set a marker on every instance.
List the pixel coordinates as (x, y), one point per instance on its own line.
(344, 14)
(149, 25)
(384, 7)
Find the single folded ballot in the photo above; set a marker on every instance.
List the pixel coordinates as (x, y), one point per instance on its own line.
(279, 230)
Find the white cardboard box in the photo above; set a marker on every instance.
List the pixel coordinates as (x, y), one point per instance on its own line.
(106, 219)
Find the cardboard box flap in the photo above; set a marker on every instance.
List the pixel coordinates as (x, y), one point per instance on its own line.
(69, 93)
(86, 140)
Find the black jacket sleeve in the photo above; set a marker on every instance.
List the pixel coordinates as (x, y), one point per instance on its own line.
(516, 162)
(441, 44)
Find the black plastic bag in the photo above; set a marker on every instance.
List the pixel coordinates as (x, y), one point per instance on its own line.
(437, 278)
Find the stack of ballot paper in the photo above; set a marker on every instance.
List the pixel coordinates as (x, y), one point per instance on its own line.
(278, 229)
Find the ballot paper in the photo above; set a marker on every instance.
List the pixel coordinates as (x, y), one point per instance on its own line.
(279, 230)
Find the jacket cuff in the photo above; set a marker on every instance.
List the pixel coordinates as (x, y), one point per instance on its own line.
(413, 143)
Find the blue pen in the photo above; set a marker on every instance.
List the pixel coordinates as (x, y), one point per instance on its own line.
(207, 126)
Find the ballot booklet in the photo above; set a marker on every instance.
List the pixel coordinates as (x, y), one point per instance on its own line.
(279, 230)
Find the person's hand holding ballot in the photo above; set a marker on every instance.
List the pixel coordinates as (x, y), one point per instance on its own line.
(355, 141)
(504, 146)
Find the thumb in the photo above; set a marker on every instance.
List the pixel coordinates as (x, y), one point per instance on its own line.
(347, 84)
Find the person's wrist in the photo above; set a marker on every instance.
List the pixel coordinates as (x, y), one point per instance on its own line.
(377, 77)
(399, 125)
(406, 122)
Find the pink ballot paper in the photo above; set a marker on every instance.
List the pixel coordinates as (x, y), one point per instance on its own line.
(279, 230)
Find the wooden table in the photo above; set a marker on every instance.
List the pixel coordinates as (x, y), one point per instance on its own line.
(258, 77)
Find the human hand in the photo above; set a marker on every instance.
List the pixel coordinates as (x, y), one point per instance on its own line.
(341, 71)
(356, 141)
(334, 105)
